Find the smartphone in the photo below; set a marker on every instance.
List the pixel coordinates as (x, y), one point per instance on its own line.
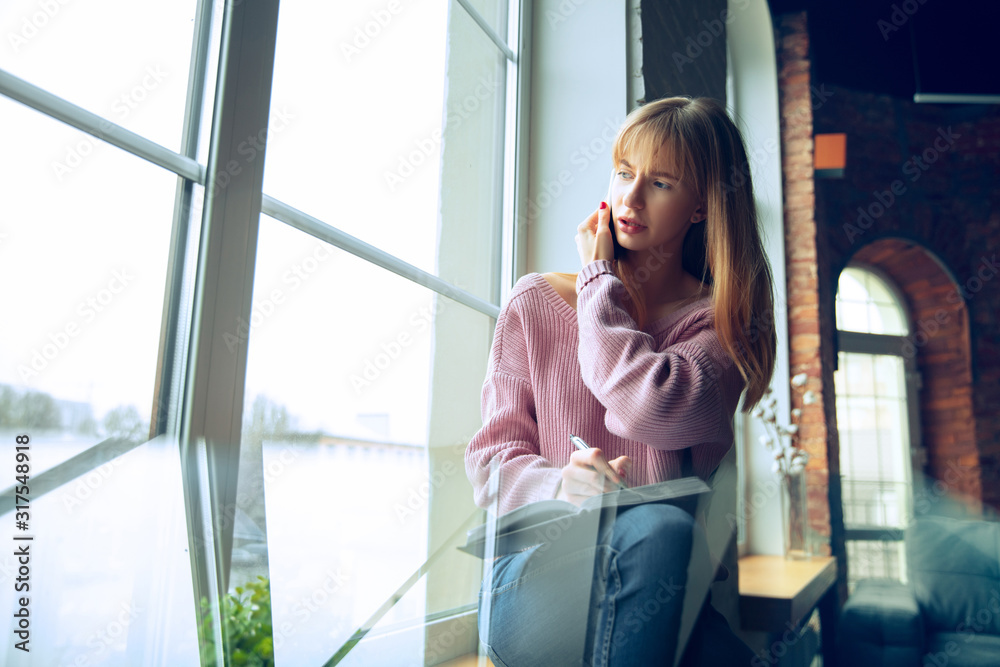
(611, 221)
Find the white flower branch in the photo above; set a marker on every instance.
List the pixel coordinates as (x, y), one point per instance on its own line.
(780, 439)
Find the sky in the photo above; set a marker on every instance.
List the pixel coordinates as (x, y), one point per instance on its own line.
(85, 226)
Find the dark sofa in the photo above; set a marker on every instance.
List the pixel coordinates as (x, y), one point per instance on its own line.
(947, 614)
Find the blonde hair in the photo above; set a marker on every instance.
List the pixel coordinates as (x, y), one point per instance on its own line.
(725, 250)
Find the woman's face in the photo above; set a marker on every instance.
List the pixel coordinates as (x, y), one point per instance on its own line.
(651, 206)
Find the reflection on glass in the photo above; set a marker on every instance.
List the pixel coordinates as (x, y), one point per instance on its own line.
(368, 146)
(494, 12)
(342, 358)
(83, 264)
(110, 577)
(875, 560)
(362, 148)
(144, 92)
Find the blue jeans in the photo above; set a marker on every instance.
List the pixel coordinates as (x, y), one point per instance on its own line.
(615, 602)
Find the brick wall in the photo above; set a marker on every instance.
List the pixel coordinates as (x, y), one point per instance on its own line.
(929, 175)
(920, 198)
(807, 279)
(939, 343)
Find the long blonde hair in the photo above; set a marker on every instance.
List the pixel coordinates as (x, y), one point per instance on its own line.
(725, 250)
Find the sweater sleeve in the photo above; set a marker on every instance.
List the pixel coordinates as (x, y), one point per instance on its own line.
(507, 443)
(666, 399)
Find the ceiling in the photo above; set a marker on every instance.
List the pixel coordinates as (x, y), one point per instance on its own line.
(901, 47)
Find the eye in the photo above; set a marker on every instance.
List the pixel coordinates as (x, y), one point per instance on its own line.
(624, 175)
(662, 185)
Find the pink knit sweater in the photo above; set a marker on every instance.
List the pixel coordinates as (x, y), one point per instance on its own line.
(554, 371)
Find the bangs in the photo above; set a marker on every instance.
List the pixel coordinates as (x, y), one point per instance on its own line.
(658, 142)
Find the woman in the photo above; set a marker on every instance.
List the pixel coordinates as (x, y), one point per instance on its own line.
(644, 354)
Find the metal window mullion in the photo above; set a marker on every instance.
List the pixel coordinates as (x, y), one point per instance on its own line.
(488, 29)
(51, 105)
(215, 374)
(176, 316)
(513, 245)
(341, 239)
(867, 343)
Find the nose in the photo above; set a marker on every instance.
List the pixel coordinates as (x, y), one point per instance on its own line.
(633, 194)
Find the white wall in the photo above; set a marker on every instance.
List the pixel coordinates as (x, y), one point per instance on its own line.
(579, 72)
(754, 101)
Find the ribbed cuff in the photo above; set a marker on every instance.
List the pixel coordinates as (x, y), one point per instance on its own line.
(588, 273)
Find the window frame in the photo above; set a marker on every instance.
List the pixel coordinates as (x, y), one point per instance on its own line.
(198, 393)
(854, 342)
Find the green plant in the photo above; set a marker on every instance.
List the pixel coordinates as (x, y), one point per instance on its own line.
(246, 624)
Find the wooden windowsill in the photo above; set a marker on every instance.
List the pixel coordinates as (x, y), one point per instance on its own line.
(775, 592)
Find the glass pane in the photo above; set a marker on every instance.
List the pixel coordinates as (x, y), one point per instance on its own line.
(875, 560)
(83, 265)
(405, 99)
(350, 393)
(866, 304)
(893, 438)
(875, 503)
(889, 378)
(140, 50)
(110, 577)
(858, 372)
(494, 12)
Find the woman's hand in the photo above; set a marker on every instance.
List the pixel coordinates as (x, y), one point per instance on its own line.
(593, 236)
(582, 476)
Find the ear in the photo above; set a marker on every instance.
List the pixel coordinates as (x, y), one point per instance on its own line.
(699, 215)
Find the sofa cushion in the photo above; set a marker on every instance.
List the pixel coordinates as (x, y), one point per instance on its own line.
(962, 649)
(880, 625)
(954, 567)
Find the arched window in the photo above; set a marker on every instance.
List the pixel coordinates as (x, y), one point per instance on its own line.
(875, 385)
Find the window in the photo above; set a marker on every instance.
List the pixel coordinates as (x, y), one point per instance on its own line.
(256, 267)
(874, 383)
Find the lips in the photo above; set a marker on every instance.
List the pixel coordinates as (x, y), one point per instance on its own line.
(630, 226)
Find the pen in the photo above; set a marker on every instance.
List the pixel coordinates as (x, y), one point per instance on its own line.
(581, 445)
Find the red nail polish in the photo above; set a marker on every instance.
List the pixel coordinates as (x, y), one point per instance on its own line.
(604, 205)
